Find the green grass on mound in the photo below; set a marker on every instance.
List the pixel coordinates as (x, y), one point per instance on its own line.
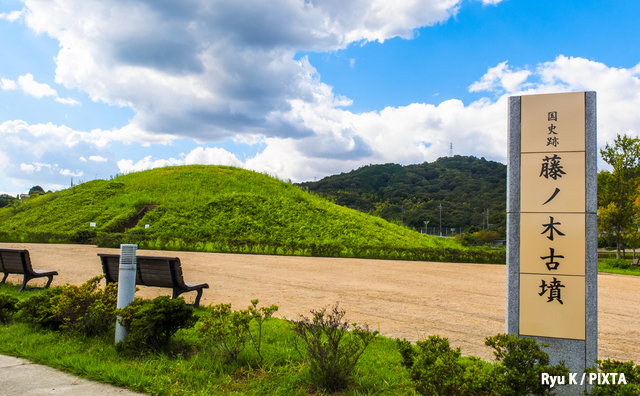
(219, 208)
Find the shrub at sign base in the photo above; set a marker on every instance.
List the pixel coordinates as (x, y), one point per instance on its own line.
(436, 369)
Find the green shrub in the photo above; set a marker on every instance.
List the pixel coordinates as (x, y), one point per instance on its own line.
(331, 351)
(617, 263)
(260, 315)
(521, 363)
(84, 236)
(87, 308)
(151, 323)
(616, 387)
(7, 308)
(39, 309)
(225, 331)
(437, 369)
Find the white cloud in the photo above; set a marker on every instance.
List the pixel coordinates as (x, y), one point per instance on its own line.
(67, 172)
(8, 84)
(97, 158)
(501, 78)
(35, 89)
(68, 101)
(27, 168)
(12, 16)
(213, 71)
(352, 63)
(199, 155)
(40, 153)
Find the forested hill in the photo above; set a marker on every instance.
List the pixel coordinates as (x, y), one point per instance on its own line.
(465, 186)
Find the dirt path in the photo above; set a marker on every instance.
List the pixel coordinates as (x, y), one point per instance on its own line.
(463, 302)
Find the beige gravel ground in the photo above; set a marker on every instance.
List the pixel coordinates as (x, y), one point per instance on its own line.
(463, 302)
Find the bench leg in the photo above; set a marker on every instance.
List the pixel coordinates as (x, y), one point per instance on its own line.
(5, 277)
(197, 302)
(24, 282)
(177, 292)
(49, 282)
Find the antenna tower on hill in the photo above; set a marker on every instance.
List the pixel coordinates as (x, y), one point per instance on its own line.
(450, 149)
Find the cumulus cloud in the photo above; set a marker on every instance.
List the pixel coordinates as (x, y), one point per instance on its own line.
(47, 154)
(27, 168)
(199, 155)
(68, 101)
(67, 172)
(220, 69)
(618, 89)
(213, 70)
(35, 89)
(8, 84)
(501, 78)
(420, 132)
(12, 16)
(97, 158)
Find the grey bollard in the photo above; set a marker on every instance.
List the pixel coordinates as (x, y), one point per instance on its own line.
(126, 283)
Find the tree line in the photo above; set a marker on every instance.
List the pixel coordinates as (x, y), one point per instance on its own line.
(450, 195)
(619, 195)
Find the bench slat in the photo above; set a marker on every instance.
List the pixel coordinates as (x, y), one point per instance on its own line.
(12, 262)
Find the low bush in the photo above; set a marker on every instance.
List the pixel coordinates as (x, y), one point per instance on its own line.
(259, 315)
(617, 263)
(521, 363)
(39, 309)
(330, 350)
(7, 308)
(151, 323)
(225, 331)
(616, 387)
(87, 308)
(436, 369)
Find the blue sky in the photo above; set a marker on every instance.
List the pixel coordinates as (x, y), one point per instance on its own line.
(298, 89)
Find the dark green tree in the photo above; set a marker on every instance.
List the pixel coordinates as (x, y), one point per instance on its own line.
(36, 190)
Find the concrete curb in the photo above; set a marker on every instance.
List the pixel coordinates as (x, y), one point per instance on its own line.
(22, 377)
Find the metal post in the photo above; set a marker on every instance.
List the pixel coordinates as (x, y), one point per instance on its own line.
(441, 219)
(126, 283)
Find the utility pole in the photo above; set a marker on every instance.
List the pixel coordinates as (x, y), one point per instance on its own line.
(440, 218)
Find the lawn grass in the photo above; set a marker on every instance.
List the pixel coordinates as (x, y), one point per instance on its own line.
(604, 267)
(189, 369)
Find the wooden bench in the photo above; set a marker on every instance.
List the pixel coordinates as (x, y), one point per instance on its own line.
(153, 271)
(17, 261)
(635, 262)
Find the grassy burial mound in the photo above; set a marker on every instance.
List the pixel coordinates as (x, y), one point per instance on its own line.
(223, 209)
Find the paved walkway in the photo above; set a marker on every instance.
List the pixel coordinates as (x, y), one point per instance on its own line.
(21, 377)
